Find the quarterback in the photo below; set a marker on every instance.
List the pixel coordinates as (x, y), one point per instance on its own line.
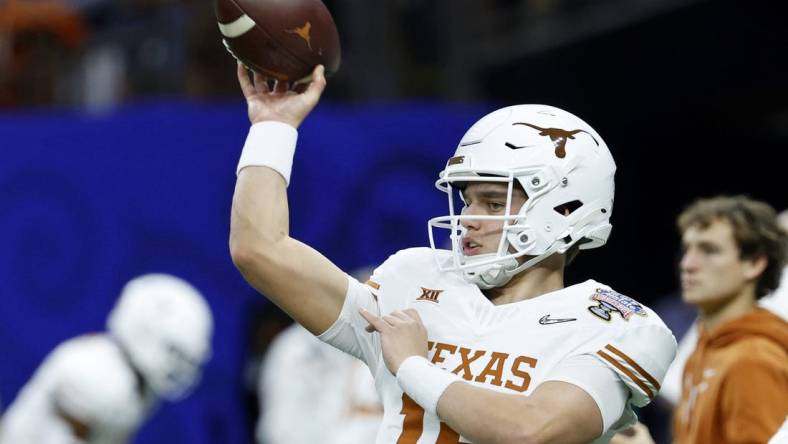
(481, 342)
(98, 389)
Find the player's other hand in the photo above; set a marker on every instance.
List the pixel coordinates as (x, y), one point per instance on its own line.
(637, 434)
(280, 103)
(402, 335)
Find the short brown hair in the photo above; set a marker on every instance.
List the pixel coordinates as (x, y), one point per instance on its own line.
(755, 231)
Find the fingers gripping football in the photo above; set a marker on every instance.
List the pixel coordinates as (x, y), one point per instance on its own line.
(277, 102)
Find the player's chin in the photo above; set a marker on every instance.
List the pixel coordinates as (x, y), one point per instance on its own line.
(689, 294)
(696, 295)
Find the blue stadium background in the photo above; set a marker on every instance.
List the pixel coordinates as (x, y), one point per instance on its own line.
(87, 202)
(690, 95)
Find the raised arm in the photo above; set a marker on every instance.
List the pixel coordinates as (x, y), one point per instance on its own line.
(291, 274)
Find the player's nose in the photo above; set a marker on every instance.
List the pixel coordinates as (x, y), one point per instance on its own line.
(688, 262)
(470, 224)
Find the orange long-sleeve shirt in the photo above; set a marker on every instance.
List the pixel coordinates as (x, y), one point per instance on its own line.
(735, 383)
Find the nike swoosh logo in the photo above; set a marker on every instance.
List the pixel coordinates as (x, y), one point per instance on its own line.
(547, 320)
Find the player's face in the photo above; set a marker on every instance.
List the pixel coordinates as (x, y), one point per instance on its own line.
(711, 270)
(486, 199)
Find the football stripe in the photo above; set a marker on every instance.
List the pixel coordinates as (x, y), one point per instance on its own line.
(237, 28)
(631, 362)
(627, 372)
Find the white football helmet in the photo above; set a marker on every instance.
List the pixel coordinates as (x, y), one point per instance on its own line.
(165, 327)
(563, 166)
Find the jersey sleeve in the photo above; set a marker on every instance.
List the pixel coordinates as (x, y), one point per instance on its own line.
(598, 381)
(348, 331)
(640, 354)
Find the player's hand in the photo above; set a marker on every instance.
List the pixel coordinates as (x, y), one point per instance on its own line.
(402, 335)
(280, 103)
(637, 434)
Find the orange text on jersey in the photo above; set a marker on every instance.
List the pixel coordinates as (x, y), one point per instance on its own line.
(493, 370)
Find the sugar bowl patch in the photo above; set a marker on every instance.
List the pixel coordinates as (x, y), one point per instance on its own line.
(609, 301)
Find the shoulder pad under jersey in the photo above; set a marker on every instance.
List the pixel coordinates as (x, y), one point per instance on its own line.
(95, 383)
(410, 263)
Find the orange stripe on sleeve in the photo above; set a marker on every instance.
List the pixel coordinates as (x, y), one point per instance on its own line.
(634, 365)
(373, 284)
(627, 372)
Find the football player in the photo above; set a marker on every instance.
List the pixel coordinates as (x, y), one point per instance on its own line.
(480, 343)
(99, 388)
(342, 404)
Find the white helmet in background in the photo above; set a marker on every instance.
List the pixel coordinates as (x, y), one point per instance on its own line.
(563, 166)
(165, 327)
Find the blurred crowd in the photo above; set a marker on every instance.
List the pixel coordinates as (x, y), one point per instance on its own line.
(95, 53)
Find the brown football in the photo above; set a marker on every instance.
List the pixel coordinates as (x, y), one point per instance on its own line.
(280, 39)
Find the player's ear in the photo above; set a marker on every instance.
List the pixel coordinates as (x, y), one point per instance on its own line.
(754, 267)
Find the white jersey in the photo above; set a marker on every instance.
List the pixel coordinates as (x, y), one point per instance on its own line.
(585, 329)
(777, 301)
(312, 393)
(781, 437)
(86, 378)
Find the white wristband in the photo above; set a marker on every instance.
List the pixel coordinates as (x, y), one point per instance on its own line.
(424, 382)
(271, 144)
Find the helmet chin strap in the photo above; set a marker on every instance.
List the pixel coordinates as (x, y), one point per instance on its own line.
(499, 274)
(490, 275)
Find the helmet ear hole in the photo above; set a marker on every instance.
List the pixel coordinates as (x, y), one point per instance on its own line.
(568, 208)
(518, 186)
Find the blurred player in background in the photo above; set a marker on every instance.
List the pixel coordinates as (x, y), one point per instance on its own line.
(342, 405)
(513, 355)
(99, 388)
(735, 380)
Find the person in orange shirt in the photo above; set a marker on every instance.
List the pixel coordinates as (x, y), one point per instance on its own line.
(777, 303)
(735, 382)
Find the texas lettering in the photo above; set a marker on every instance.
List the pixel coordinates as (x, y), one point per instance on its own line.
(494, 365)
